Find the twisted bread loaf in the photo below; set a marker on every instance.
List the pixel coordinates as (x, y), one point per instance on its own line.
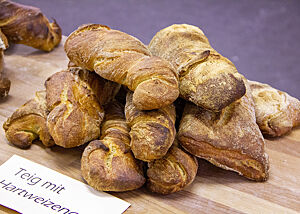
(108, 164)
(176, 170)
(4, 82)
(206, 77)
(27, 25)
(104, 90)
(152, 132)
(75, 112)
(276, 111)
(121, 58)
(29, 123)
(229, 139)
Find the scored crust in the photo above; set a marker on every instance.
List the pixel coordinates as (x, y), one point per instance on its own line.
(119, 57)
(152, 132)
(108, 164)
(27, 25)
(276, 111)
(206, 78)
(29, 123)
(175, 171)
(230, 139)
(75, 112)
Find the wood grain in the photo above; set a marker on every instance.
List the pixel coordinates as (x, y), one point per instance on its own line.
(214, 190)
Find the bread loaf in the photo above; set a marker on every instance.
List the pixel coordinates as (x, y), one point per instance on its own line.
(229, 139)
(121, 58)
(104, 90)
(75, 112)
(152, 132)
(176, 170)
(4, 82)
(108, 164)
(28, 123)
(27, 25)
(206, 78)
(276, 111)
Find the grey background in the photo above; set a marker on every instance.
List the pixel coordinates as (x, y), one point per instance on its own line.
(261, 37)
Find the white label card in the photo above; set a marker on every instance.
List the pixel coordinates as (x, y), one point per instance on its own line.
(28, 187)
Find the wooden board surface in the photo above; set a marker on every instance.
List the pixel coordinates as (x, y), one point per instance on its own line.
(213, 191)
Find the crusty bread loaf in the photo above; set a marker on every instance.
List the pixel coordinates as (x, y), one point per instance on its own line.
(276, 111)
(206, 77)
(4, 82)
(152, 132)
(27, 25)
(121, 58)
(176, 170)
(75, 112)
(29, 123)
(229, 139)
(108, 164)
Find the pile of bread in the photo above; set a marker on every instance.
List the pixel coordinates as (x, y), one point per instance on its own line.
(123, 98)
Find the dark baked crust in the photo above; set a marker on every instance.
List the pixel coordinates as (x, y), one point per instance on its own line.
(29, 123)
(104, 90)
(229, 139)
(176, 170)
(152, 132)
(75, 112)
(206, 78)
(4, 82)
(27, 25)
(121, 58)
(4, 86)
(108, 164)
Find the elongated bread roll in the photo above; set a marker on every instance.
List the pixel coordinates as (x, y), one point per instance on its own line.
(29, 123)
(75, 112)
(276, 111)
(27, 25)
(206, 78)
(108, 164)
(230, 139)
(152, 132)
(121, 58)
(176, 170)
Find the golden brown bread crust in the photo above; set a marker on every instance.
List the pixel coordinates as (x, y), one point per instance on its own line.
(121, 58)
(176, 170)
(75, 112)
(4, 82)
(105, 90)
(206, 78)
(3, 41)
(152, 132)
(29, 123)
(27, 25)
(276, 111)
(229, 139)
(108, 164)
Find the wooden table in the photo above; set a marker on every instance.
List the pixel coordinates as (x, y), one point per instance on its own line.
(213, 191)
